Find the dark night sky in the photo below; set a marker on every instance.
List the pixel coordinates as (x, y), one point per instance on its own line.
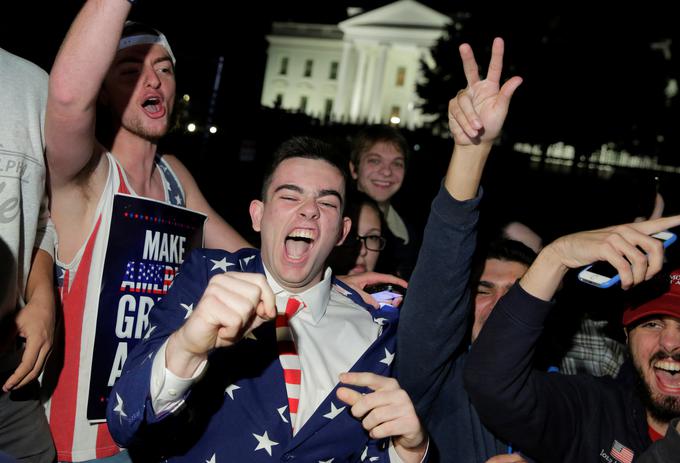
(196, 32)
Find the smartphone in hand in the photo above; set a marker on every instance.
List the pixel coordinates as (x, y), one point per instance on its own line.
(603, 274)
(385, 293)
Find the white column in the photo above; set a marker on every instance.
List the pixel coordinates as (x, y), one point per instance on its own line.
(358, 90)
(343, 93)
(375, 104)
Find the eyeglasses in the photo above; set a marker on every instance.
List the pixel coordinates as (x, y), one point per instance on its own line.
(373, 242)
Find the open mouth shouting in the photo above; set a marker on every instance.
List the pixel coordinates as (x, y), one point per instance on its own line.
(298, 243)
(667, 372)
(153, 106)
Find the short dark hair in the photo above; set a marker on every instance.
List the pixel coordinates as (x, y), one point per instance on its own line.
(308, 148)
(509, 250)
(369, 136)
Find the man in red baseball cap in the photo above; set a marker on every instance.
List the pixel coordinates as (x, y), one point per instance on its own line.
(653, 330)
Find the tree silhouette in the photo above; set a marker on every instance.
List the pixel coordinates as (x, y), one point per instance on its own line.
(590, 78)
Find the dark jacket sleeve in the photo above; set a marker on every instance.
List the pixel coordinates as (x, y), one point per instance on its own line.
(541, 413)
(433, 319)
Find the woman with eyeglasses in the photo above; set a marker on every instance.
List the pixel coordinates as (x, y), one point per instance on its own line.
(361, 249)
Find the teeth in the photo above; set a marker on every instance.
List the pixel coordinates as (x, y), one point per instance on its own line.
(668, 366)
(300, 233)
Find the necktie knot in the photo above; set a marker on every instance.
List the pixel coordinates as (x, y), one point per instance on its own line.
(293, 306)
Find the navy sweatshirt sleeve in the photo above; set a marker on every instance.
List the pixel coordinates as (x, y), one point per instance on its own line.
(541, 413)
(435, 311)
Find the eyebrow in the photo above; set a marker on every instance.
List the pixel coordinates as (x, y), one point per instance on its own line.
(297, 189)
(486, 284)
(136, 59)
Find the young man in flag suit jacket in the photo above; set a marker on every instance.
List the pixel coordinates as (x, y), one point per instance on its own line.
(211, 383)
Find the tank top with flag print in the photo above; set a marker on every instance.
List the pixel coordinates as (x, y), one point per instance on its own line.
(79, 282)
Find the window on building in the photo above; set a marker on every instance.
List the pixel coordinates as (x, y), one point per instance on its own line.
(308, 68)
(283, 70)
(328, 107)
(401, 76)
(395, 115)
(334, 70)
(303, 103)
(278, 101)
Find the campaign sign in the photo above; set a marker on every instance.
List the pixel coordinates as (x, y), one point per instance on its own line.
(148, 240)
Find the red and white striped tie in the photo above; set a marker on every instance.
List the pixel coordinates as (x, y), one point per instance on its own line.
(290, 362)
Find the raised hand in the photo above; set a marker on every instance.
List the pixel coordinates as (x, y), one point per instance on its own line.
(477, 112)
(386, 412)
(629, 248)
(232, 305)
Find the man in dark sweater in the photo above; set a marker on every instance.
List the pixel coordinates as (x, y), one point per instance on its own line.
(433, 342)
(581, 418)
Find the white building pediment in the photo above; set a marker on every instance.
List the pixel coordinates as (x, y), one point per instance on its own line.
(403, 14)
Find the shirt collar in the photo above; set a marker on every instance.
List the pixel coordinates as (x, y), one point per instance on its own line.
(316, 298)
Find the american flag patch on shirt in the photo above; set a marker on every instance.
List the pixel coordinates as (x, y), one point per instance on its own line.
(621, 452)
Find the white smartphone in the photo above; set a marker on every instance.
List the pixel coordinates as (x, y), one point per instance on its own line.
(604, 275)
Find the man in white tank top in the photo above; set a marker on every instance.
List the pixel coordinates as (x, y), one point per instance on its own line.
(126, 78)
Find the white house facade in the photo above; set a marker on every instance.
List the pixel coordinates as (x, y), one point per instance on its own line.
(364, 69)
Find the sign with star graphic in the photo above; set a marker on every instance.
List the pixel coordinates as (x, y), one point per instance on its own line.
(148, 240)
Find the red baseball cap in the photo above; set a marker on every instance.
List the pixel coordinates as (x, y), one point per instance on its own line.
(667, 303)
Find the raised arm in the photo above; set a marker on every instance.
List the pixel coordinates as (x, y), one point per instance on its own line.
(476, 116)
(526, 406)
(76, 77)
(218, 233)
(434, 314)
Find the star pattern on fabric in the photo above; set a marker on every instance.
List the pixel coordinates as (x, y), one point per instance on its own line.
(264, 442)
(380, 321)
(119, 407)
(230, 390)
(335, 411)
(374, 459)
(213, 459)
(250, 335)
(364, 454)
(327, 461)
(189, 308)
(389, 357)
(281, 411)
(178, 199)
(148, 332)
(244, 261)
(222, 264)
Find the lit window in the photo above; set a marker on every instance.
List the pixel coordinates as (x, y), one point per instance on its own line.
(283, 70)
(401, 76)
(334, 70)
(395, 118)
(308, 68)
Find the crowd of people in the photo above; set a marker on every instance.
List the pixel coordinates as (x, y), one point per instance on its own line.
(139, 326)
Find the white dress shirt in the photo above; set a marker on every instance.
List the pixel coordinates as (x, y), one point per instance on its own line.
(330, 334)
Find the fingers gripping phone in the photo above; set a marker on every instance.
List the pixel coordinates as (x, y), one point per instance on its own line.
(385, 292)
(604, 275)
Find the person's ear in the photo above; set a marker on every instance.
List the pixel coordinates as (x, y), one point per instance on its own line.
(256, 210)
(353, 170)
(344, 231)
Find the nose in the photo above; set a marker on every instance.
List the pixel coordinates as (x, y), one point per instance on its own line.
(309, 210)
(363, 250)
(670, 338)
(151, 78)
(386, 169)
